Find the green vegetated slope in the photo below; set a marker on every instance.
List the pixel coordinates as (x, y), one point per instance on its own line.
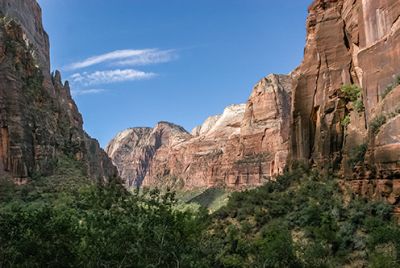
(303, 219)
(212, 198)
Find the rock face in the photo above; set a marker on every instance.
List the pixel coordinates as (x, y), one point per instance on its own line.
(196, 131)
(349, 42)
(39, 121)
(378, 177)
(354, 42)
(239, 147)
(209, 123)
(29, 15)
(132, 150)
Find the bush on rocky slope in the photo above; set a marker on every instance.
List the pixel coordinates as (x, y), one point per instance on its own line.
(391, 86)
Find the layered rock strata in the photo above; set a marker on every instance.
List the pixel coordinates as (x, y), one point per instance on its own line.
(39, 120)
(240, 147)
(132, 150)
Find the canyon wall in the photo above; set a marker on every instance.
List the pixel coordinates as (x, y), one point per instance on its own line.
(350, 42)
(39, 121)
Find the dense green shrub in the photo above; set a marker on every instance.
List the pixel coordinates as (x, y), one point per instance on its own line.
(276, 249)
(300, 219)
(5, 20)
(357, 155)
(376, 123)
(358, 106)
(346, 121)
(351, 92)
(100, 225)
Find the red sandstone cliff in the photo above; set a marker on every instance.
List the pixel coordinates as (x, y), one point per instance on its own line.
(239, 147)
(39, 121)
(350, 42)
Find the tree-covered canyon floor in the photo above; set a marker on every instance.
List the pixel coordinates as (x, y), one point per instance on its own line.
(301, 219)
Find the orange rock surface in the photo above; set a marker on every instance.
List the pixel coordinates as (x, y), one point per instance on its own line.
(240, 147)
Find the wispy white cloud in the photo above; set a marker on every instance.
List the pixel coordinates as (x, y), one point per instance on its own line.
(77, 92)
(112, 76)
(152, 57)
(77, 77)
(128, 57)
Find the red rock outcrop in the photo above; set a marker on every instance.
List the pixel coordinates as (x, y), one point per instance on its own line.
(239, 147)
(349, 42)
(39, 120)
(378, 177)
(132, 150)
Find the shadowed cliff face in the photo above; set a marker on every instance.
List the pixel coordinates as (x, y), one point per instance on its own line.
(39, 120)
(349, 42)
(236, 148)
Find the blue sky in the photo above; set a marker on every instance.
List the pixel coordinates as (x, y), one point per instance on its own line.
(134, 63)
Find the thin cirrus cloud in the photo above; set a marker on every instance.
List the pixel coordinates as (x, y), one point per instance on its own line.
(111, 76)
(128, 57)
(86, 91)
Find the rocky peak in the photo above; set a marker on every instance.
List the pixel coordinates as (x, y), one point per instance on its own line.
(132, 150)
(209, 123)
(269, 100)
(162, 132)
(129, 138)
(229, 122)
(196, 131)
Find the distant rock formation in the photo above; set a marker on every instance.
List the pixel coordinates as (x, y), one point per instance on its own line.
(39, 121)
(239, 147)
(132, 150)
(354, 42)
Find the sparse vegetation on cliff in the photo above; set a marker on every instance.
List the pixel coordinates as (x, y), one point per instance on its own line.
(257, 158)
(214, 153)
(358, 155)
(390, 87)
(346, 121)
(358, 106)
(5, 20)
(353, 93)
(376, 123)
